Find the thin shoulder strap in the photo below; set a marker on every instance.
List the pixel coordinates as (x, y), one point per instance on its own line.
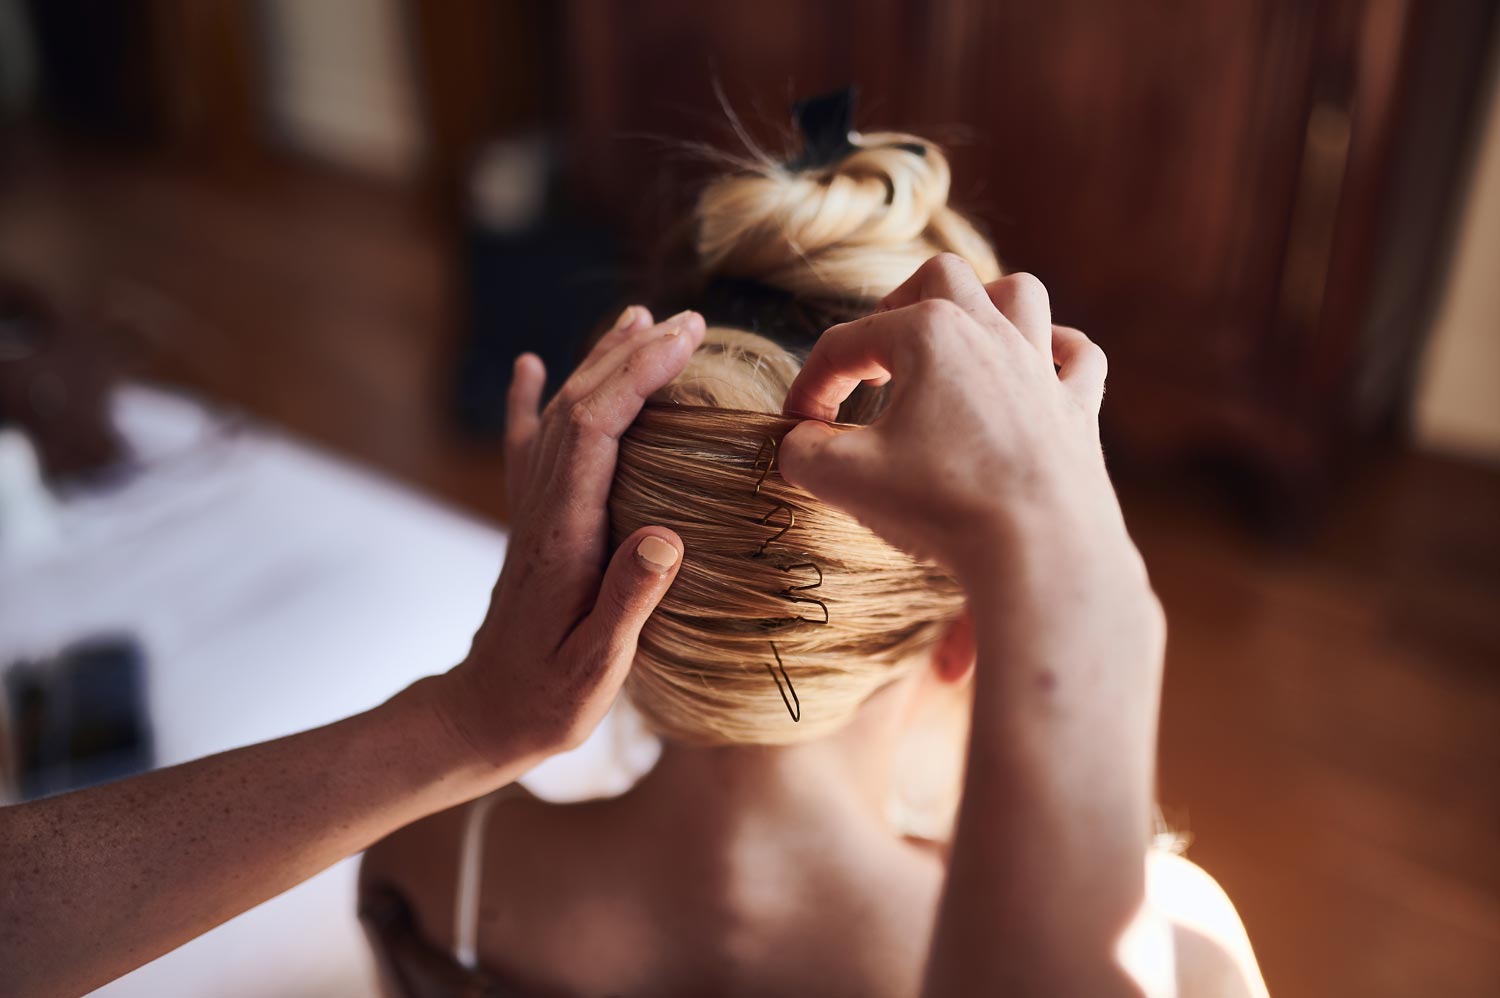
(471, 879)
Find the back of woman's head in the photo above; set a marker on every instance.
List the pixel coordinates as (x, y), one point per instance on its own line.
(770, 573)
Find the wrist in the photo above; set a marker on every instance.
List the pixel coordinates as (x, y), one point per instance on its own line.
(448, 732)
(1067, 626)
(1052, 537)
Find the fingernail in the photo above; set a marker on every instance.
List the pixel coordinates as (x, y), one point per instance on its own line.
(625, 319)
(677, 323)
(656, 554)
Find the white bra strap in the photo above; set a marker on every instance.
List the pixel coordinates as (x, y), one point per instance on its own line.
(470, 879)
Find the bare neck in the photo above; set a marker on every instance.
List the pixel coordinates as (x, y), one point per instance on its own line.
(843, 777)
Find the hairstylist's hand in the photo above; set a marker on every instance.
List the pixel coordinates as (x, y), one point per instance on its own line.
(563, 621)
(981, 432)
(987, 458)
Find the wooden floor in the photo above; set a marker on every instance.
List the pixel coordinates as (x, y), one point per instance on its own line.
(1331, 726)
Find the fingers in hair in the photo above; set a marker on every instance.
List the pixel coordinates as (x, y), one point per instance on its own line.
(835, 464)
(845, 355)
(633, 327)
(594, 423)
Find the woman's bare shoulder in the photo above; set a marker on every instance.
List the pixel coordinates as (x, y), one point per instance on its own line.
(421, 860)
(1214, 958)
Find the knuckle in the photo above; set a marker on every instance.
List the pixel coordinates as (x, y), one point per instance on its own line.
(946, 264)
(1026, 284)
(557, 404)
(1027, 289)
(1099, 357)
(941, 313)
(581, 416)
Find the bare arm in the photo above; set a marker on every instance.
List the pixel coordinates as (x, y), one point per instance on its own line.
(987, 459)
(101, 881)
(97, 882)
(1052, 834)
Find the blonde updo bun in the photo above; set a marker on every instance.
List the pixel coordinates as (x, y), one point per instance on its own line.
(851, 231)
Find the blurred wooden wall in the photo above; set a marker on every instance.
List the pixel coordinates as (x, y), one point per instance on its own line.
(1246, 202)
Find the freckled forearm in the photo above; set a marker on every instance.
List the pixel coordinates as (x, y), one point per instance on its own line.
(102, 880)
(1053, 829)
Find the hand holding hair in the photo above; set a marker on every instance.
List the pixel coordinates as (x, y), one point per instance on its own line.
(981, 426)
(561, 630)
(987, 459)
(102, 880)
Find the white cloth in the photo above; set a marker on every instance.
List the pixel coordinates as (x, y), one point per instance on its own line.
(272, 588)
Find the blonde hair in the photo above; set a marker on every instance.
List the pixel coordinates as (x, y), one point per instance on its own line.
(852, 231)
(836, 239)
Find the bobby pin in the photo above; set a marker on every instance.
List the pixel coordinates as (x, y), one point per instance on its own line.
(796, 712)
(767, 450)
(810, 585)
(790, 592)
(809, 599)
(769, 464)
(791, 521)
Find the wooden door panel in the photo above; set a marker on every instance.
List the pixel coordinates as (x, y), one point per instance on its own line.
(1202, 186)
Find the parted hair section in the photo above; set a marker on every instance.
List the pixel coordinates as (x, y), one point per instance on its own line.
(769, 572)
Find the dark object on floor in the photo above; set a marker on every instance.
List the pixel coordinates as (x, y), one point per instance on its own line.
(79, 718)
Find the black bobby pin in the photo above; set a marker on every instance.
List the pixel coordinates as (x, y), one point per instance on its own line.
(797, 711)
(796, 593)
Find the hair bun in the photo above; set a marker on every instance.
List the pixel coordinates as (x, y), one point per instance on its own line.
(852, 230)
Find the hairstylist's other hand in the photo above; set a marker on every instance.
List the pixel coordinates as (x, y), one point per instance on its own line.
(564, 617)
(987, 458)
(982, 435)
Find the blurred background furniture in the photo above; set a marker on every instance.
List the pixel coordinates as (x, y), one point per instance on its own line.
(1265, 188)
(1268, 188)
(1280, 217)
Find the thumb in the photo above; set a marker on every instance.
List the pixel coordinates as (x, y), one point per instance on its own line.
(638, 576)
(836, 465)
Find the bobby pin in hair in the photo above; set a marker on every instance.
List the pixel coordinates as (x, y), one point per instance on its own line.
(796, 712)
(791, 521)
(809, 599)
(768, 449)
(790, 592)
(810, 585)
(769, 464)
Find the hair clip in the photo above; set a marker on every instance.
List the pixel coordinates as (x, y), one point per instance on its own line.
(790, 592)
(810, 599)
(826, 123)
(791, 521)
(797, 711)
(769, 464)
(767, 450)
(810, 585)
